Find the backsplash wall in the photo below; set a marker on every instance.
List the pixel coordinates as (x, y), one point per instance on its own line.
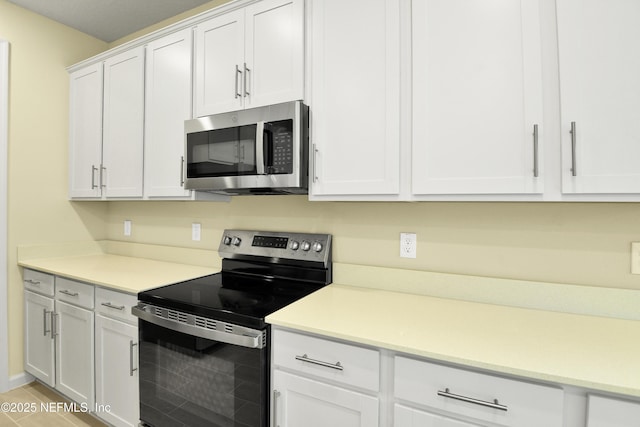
(576, 243)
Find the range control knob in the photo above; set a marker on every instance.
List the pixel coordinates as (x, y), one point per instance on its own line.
(294, 245)
(236, 241)
(226, 240)
(317, 246)
(305, 245)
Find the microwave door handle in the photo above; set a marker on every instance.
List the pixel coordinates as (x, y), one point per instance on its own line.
(260, 148)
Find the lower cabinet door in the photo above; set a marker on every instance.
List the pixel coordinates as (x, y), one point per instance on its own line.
(74, 353)
(408, 417)
(117, 389)
(610, 412)
(39, 345)
(299, 401)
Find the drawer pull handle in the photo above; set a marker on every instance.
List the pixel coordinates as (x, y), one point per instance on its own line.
(494, 404)
(33, 282)
(66, 292)
(305, 358)
(117, 307)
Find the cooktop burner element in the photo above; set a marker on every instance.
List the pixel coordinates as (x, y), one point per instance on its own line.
(261, 273)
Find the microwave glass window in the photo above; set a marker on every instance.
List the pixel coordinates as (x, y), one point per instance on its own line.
(222, 152)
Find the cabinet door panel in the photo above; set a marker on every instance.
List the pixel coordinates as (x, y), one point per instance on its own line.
(355, 101)
(309, 403)
(123, 124)
(477, 96)
(116, 380)
(74, 353)
(167, 106)
(220, 64)
(85, 132)
(599, 54)
(38, 344)
(274, 52)
(407, 417)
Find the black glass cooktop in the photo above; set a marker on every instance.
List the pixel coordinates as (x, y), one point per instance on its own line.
(227, 297)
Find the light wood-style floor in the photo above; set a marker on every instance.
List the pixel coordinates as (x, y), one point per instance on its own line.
(38, 398)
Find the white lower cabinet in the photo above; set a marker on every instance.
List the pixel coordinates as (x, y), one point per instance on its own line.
(477, 396)
(74, 353)
(39, 345)
(611, 412)
(301, 401)
(408, 417)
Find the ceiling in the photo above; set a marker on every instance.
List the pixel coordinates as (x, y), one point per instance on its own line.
(108, 20)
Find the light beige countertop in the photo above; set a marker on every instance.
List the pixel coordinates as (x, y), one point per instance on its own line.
(123, 273)
(598, 353)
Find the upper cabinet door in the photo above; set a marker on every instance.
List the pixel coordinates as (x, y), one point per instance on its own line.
(250, 57)
(355, 97)
(168, 105)
(477, 97)
(123, 124)
(274, 52)
(85, 132)
(599, 54)
(220, 64)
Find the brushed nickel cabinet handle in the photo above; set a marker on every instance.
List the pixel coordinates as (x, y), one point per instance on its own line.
(495, 405)
(238, 93)
(93, 177)
(131, 368)
(304, 358)
(54, 328)
(116, 307)
(103, 171)
(574, 171)
(535, 151)
(246, 87)
(44, 321)
(69, 293)
(181, 171)
(33, 282)
(315, 163)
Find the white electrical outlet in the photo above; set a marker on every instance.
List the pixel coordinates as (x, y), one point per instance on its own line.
(408, 245)
(635, 258)
(195, 231)
(127, 227)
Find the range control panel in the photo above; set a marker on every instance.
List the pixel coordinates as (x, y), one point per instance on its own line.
(295, 246)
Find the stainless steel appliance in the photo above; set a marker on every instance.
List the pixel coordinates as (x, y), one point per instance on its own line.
(204, 346)
(255, 151)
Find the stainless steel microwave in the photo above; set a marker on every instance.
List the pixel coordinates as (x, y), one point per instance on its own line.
(261, 150)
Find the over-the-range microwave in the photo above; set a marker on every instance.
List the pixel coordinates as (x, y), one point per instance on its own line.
(261, 150)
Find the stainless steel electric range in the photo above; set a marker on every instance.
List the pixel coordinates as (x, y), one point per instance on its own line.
(204, 346)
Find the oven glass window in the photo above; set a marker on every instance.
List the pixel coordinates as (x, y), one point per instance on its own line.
(222, 152)
(191, 381)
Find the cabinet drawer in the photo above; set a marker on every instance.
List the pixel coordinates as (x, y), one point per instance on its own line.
(323, 358)
(484, 397)
(116, 304)
(41, 283)
(74, 292)
(610, 412)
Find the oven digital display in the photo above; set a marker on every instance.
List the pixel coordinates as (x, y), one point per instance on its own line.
(270, 242)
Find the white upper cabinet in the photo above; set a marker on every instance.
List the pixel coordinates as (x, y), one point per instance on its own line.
(167, 105)
(250, 57)
(477, 97)
(85, 132)
(354, 54)
(599, 54)
(123, 124)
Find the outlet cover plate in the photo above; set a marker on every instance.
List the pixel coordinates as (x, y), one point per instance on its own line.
(408, 243)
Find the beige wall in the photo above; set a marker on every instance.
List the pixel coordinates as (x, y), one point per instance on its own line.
(581, 243)
(38, 127)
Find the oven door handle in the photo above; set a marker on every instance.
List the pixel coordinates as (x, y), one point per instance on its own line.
(244, 337)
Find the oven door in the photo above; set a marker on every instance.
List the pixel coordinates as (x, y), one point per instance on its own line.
(214, 374)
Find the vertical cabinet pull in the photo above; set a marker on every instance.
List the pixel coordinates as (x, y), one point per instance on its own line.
(276, 394)
(181, 171)
(238, 92)
(93, 177)
(495, 405)
(535, 151)
(574, 171)
(44, 321)
(246, 73)
(54, 328)
(315, 163)
(103, 171)
(131, 368)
